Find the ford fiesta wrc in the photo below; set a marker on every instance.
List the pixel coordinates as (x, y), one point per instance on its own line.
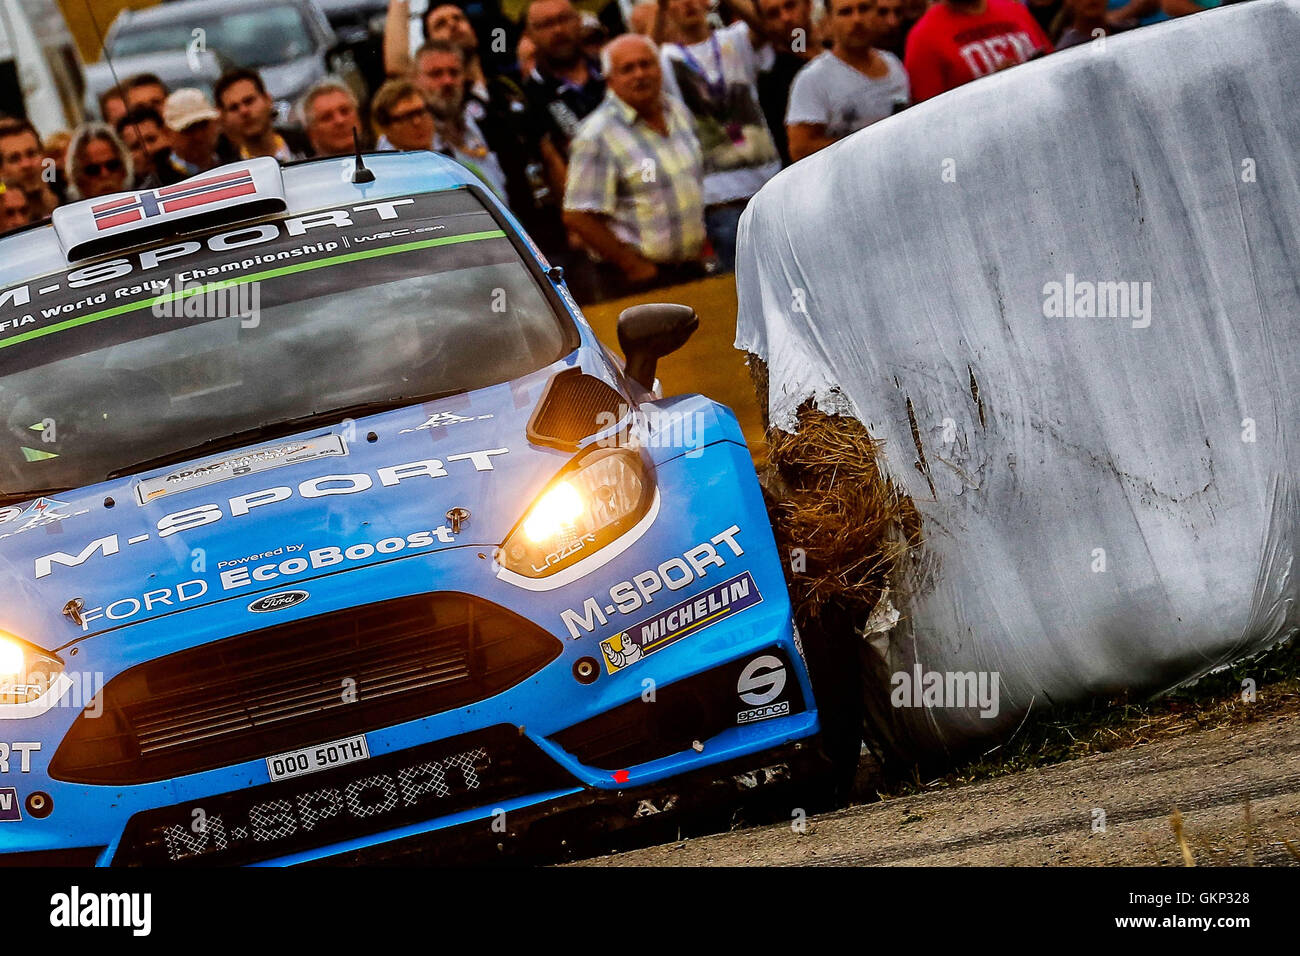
(329, 531)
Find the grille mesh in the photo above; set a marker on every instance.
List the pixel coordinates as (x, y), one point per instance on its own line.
(300, 683)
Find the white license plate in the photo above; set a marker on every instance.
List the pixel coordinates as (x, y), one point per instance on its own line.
(319, 757)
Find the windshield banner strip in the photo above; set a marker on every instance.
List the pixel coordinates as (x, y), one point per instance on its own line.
(244, 280)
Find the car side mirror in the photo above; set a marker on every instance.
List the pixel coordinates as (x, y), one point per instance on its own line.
(646, 333)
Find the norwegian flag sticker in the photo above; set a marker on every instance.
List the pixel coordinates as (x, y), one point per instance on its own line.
(170, 199)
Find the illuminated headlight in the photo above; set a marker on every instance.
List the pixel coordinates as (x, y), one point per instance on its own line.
(26, 672)
(587, 506)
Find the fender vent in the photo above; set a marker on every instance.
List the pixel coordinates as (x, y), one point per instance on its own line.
(574, 406)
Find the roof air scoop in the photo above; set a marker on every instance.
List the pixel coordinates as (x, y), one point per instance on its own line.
(229, 194)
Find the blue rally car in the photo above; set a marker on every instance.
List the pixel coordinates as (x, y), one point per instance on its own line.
(328, 529)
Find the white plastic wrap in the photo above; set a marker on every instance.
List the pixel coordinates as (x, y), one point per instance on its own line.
(1119, 508)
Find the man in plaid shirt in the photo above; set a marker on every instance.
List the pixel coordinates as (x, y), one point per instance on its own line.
(634, 193)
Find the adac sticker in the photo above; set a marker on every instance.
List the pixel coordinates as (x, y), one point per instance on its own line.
(209, 472)
(689, 617)
(9, 811)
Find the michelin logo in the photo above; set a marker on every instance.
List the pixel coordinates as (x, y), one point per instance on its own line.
(689, 617)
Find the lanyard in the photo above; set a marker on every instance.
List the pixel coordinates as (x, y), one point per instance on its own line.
(718, 88)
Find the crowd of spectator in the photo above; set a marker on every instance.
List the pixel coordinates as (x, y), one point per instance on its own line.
(628, 144)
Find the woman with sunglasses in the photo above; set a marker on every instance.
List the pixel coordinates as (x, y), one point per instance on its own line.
(97, 163)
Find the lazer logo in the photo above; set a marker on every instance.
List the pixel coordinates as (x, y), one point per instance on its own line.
(571, 547)
(674, 574)
(243, 505)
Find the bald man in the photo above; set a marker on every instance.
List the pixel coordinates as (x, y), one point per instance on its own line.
(646, 229)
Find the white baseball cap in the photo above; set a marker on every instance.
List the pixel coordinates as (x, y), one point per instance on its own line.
(186, 107)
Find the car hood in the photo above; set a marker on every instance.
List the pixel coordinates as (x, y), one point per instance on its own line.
(367, 491)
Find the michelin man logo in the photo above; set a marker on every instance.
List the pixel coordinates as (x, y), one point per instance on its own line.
(629, 652)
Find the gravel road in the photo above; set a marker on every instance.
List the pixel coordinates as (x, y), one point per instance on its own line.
(1053, 815)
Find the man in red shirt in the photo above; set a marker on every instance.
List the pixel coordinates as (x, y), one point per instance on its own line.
(957, 41)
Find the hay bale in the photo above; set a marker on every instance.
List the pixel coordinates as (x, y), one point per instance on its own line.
(837, 515)
(846, 531)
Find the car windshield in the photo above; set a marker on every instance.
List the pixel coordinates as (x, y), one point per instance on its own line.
(256, 38)
(163, 351)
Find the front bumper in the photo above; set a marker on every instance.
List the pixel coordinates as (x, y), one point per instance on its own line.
(434, 798)
(554, 739)
(590, 821)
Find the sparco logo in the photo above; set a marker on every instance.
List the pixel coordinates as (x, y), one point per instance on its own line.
(762, 681)
(278, 602)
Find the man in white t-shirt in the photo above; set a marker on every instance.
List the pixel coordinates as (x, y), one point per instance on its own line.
(715, 73)
(850, 86)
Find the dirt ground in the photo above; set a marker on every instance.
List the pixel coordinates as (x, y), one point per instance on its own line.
(1235, 789)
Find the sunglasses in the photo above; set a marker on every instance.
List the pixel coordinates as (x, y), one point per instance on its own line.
(409, 115)
(98, 169)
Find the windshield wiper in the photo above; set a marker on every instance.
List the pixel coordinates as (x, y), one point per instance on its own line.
(276, 429)
(17, 497)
